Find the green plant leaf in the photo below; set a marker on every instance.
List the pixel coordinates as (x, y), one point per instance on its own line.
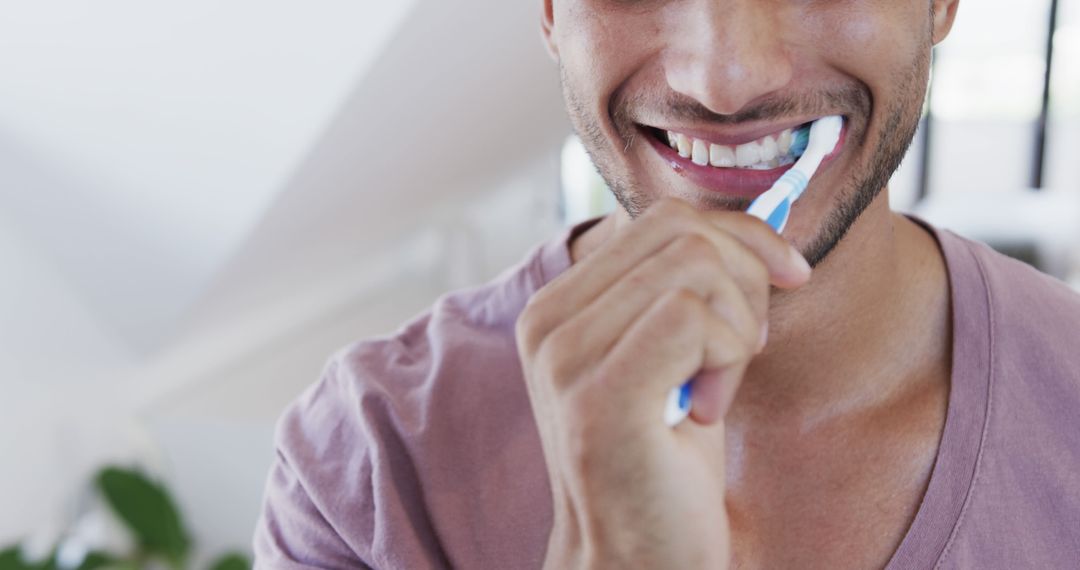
(97, 561)
(232, 561)
(148, 510)
(11, 560)
(121, 565)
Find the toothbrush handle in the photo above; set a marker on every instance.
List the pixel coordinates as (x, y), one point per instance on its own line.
(789, 187)
(772, 207)
(795, 181)
(677, 407)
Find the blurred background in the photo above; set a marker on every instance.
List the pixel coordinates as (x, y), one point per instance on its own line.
(201, 201)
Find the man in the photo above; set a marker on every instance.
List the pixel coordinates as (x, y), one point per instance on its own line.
(909, 402)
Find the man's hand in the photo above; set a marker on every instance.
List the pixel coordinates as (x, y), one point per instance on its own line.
(676, 294)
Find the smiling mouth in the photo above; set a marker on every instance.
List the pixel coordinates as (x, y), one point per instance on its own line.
(743, 169)
(766, 153)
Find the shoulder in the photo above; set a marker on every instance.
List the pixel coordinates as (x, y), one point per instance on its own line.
(455, 354)
(463, 334)
(396, 426)
(384, 395)
(1026, 379)
(1033, 344)
(455, 357)
(1034, 318)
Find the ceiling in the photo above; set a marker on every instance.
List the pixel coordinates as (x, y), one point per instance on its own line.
(168, 169)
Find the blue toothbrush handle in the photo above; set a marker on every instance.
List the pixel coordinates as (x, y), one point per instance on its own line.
(778, 219)
(774, 207)
(773, 212)
(677, 407)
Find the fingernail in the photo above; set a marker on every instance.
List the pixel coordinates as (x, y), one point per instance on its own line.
(764, 337)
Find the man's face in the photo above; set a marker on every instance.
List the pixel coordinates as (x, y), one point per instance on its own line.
(734, 75)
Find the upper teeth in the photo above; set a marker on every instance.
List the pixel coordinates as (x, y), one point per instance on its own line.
(769, 151)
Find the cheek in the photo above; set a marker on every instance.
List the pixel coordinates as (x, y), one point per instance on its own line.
(601, 47)
(871, 42)
(878, 43)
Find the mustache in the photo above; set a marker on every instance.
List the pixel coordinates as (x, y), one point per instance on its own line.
(851, 100)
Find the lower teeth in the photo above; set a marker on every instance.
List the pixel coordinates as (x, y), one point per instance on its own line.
(774, 163)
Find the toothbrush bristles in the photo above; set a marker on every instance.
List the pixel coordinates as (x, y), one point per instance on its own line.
(800, 140)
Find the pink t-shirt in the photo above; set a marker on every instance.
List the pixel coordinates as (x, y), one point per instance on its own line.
(419, 450)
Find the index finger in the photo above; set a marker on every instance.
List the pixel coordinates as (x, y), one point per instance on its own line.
(787, 267)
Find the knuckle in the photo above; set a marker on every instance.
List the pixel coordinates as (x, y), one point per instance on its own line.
(536, 301)
(605, 377)
(554, 355)
(757, 271)
(741, 352)
(527, 328)
(699, 259)
(640, 280)
(561, 341)
(681, 306)
(743, 262)
(534, 322)
(694, 246)
(711, 260)
(727, 220)
(745, 348)
(732, 349)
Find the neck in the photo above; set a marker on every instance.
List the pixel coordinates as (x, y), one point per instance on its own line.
(870, 325)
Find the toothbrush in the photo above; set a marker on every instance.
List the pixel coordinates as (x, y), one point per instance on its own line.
(774, 207)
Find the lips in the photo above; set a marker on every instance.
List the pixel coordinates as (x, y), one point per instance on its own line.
(743, 182)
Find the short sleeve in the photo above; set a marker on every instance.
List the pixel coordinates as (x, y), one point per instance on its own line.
(291, 533)
(299, 528)
(344, 490)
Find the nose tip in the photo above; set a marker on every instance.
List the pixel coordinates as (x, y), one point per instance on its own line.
(727, 60)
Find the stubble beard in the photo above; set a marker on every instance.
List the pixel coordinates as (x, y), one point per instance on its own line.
(899, 123)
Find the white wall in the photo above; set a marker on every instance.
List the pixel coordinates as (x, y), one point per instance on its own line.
(200, 202)
(215, 432)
